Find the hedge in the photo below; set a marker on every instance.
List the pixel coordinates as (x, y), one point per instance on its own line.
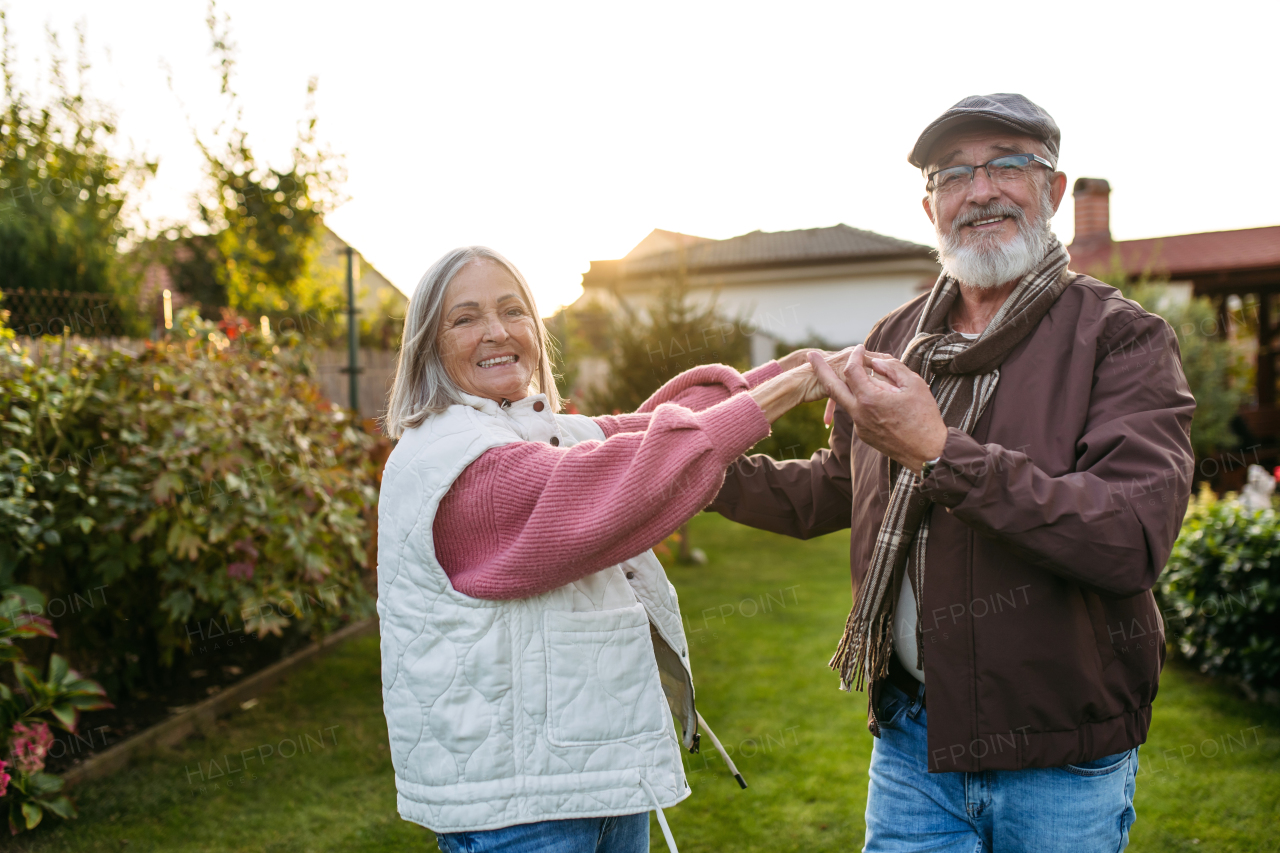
(203, 479)
(1221, 591)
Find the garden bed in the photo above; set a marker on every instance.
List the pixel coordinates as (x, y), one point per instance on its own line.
(216, 667)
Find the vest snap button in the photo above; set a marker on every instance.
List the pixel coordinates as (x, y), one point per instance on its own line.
(631, 575)
(555, 441)
(538, 406)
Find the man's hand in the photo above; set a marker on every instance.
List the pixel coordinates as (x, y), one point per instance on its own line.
(838, 362)
(892, 408)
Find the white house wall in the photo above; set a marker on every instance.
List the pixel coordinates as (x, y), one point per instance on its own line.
(840, 311)
(838, 304)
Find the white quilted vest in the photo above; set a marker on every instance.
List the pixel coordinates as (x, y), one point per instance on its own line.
(508, 712)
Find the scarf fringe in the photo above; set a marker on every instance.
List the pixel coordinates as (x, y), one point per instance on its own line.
(856, 660)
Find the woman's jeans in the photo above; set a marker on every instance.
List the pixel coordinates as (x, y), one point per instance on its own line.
(625, 834)
(1082, 808)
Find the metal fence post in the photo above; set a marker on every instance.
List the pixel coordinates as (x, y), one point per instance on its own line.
(353, 334)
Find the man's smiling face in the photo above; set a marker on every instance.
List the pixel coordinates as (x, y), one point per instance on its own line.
(991, 229)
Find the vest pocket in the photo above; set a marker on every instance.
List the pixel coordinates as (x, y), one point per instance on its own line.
(602, 679)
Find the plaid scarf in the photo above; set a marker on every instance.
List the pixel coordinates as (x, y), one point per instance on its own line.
(962, 374)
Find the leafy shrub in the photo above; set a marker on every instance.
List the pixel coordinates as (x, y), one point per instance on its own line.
(203, 479)
(1221, 590)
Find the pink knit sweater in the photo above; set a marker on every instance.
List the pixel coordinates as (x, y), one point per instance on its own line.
(526, 518)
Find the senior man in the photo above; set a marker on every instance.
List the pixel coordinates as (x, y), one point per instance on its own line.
(1011, 450)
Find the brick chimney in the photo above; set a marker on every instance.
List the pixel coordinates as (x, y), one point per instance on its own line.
(1093, 211)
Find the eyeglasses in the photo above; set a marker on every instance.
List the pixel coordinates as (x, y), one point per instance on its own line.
(1002, 170)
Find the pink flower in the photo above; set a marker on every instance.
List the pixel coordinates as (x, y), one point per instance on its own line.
(246, 545)
(240, 570)
(4, 778)
(30, 746)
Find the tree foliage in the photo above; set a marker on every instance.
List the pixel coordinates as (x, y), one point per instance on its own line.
(1217, 370)
(262, 222)
(64, 193)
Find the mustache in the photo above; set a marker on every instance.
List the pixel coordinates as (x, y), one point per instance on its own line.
(987, 211)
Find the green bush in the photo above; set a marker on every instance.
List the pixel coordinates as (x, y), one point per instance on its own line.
(1221, 591)
(203, 479)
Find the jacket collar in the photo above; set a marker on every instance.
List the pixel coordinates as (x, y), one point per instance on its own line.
(519, 408)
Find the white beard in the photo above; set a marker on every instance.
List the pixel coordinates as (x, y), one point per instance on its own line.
(987, 262)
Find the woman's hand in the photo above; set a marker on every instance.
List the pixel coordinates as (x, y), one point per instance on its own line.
(799, 358)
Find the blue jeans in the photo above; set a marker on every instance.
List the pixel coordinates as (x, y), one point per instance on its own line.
(625, 834)
(1077, 808)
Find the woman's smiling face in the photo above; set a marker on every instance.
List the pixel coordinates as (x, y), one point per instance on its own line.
(488, 339)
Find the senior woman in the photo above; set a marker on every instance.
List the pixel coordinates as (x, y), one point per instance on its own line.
(531, 643)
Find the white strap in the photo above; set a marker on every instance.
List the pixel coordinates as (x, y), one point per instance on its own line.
(662, 819)
(727, 760)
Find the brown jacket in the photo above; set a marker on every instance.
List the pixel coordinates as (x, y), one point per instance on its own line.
(1042, 641)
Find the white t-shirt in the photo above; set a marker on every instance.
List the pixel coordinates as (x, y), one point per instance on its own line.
(904, 629)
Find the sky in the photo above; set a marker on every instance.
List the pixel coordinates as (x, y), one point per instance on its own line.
(561, 133)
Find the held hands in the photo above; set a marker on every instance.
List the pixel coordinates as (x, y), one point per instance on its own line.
(811, 387)
(798, 383)
(892, 408)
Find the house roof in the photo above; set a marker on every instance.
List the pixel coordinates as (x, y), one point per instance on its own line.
(660, 241)
(663, 250)
(1185, 255)
(364, 262)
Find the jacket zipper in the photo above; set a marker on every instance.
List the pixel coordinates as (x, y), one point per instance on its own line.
(873, 695)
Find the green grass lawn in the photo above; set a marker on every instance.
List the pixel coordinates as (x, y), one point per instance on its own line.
(762, 618)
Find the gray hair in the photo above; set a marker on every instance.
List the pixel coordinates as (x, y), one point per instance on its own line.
(422, 387)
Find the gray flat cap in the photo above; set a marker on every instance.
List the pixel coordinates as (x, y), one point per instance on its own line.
(1014, 111)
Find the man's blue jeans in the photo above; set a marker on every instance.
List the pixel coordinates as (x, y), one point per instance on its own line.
(1084, 808)
(625, 834)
